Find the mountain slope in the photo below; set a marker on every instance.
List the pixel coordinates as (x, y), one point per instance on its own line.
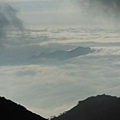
(11, 111)
(101, 107)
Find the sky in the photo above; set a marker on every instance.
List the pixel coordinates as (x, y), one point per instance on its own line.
(66, 12)
(71, 12)
(43, 11)
(54, 53)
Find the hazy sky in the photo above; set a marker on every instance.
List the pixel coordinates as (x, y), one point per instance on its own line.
(67, 11)
(44, 11)
(51, 86)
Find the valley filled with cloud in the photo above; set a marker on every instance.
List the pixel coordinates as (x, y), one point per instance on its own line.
(55, 85)
(50, 69)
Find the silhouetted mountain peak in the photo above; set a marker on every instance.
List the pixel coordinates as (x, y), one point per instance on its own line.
(100, 98)
(12, 111)
(101, 107)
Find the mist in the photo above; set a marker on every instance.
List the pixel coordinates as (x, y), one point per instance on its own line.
(8, 21)
(99, 11)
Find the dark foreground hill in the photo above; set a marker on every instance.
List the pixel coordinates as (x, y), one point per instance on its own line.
(12, 111)
(101, 107)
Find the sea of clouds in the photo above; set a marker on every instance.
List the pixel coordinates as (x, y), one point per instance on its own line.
(51, 86)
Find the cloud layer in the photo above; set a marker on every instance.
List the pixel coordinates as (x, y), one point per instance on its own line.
(54, 85)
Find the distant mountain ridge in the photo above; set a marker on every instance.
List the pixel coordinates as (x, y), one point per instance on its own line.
(62, 54)
(101, 107)
(12, 111)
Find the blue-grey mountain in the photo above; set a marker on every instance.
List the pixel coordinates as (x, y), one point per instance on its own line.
(62, 54)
